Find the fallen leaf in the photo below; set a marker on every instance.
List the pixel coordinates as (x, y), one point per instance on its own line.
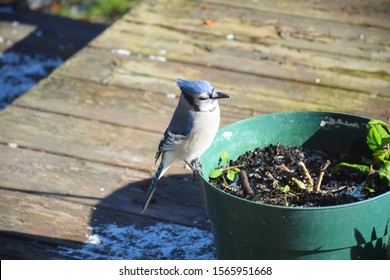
(209, 21)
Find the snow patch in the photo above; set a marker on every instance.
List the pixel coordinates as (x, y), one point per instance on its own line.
(230, 36)
(20, 72)
(157, 58)
(121, 52)
(12, 145)
(160, 241)
(94, 239)
(171, 95)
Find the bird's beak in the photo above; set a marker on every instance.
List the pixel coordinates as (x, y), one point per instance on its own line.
(222, 95)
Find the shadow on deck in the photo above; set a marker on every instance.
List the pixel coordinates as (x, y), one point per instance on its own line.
(34, 44)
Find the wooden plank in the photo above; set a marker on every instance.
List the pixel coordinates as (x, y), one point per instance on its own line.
(43, 217)
(253, 25)
(12, 32)
(85, 138)
(30, 249)
(37, 33)
(270, 39)
(147, 108)
(361, 12)
(249, 92)
(78, 138)
(33, 226)
(275, 61)
(87, 184)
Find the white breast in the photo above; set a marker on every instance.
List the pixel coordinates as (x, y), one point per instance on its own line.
(205, 127)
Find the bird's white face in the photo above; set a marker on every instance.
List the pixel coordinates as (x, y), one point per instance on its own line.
(206, 101)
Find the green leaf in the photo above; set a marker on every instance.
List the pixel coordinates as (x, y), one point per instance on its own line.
(384, 172)
(360, 167)
(382, 132)
(366, 160)
(231, 174)
(380, 123)
(370, 190)
(286, 189)
(225, 157)
(257, 197)
(381, 155)
(385, 141)
(216, 173)
(374, 140)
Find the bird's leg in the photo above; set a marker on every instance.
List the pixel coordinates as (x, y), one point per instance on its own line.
(197, 162)
(196, 166)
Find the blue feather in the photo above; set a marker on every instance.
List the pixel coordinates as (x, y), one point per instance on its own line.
(152, 186)
(194, 88)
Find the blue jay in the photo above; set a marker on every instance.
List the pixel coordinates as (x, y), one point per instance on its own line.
(192, 128)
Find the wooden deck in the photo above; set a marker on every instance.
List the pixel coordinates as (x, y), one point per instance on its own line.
(78, 149)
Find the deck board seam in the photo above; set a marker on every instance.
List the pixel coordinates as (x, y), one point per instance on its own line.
(61, 75)
(23, 106)
(316, 18)
(100, 206)
(182, 30)
(103, 162)
(248, 73)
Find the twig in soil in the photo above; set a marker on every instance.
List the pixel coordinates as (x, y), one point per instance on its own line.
(337, 190)
(226, 185)
(286, 170)
(299, 183)
(233, 167)
(290, 174)
(307, 175)
(275, 183)
(321, 176)
(245, 182)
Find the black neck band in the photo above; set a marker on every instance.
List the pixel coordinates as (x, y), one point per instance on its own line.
(191, 102)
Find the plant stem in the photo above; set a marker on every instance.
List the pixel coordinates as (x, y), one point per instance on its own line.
(306, 173)
(289, 173)
(232, 167)
(245, 183)
(321, 176)
(225, 184)
(275, 183)
(299, 183)
(286, 170)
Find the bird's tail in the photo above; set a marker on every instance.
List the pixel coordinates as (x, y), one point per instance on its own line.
(152, 186)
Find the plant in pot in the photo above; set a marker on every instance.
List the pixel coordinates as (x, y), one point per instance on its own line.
(252, 229)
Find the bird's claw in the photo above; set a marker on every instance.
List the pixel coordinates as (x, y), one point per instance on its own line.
(196, 167)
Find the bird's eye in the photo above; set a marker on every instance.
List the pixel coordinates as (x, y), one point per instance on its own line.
(203, 98)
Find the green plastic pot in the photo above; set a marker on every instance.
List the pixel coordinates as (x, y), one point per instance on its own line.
(244, 229)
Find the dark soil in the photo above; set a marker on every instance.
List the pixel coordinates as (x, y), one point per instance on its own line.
(269, 170)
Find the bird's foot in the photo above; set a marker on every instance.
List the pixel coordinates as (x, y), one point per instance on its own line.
(196, 167)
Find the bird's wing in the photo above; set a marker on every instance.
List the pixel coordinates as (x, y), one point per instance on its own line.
(170, 140)
(179, 129)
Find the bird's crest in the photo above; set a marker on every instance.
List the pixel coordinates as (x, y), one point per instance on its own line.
(194, 88)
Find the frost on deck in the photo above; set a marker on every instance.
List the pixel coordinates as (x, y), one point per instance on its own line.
(19, 72)
(160, 241)
(77, 150)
